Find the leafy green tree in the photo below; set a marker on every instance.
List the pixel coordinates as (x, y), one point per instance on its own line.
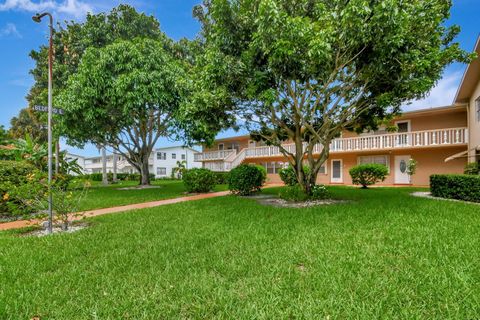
(28, 123)
(303, 71)
(72, 39)
(126, 96)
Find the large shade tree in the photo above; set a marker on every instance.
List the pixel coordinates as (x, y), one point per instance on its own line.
(303, 71)
(125, 95)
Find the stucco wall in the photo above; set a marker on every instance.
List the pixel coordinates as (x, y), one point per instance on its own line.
(430, 161)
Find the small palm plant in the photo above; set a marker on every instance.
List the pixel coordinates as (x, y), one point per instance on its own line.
(177, 172)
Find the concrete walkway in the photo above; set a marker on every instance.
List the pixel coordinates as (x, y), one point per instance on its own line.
(98, 212)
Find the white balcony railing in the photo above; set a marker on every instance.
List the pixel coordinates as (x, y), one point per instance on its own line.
(225, 160)
(213, 155)
(415, 139)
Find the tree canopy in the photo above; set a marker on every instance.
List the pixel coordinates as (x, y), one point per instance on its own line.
(125, 95)
(303, 71)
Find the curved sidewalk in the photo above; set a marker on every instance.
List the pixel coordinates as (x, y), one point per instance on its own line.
(98, 212)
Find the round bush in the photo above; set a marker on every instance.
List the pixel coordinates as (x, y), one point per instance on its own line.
(368, 174)
(246, 179)
(199, 180)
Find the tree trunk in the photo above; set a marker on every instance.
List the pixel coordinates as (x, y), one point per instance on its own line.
(144, 171)
(104, 166)
(114, 167)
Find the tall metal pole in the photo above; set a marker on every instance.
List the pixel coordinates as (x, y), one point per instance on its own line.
(37, 18)
(50, 141)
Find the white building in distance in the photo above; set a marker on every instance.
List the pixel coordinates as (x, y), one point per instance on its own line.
(161, 162)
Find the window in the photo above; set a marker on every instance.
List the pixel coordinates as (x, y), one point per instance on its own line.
(161, 156)
(385, 160)
(183, 157)
(274, 167)
(174, 156)
(161, 171)
(221, 146)
(477, 103)
(403, 126)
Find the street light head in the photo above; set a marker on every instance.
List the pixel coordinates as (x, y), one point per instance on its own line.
(38, 17)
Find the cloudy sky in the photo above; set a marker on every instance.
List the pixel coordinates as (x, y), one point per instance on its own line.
(19, 35)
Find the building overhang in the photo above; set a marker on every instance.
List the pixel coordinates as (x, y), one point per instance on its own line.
(470, 79)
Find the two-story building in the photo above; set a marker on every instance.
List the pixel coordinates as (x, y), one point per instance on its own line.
(161, 162)
(441, 140)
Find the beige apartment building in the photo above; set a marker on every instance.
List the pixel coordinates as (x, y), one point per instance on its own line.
(441, 140)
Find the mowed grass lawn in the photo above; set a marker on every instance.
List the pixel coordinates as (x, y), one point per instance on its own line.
(100, 196)
(385, 254)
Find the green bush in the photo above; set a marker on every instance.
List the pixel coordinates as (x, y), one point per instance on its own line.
(199, 180)
(472, 168)
(222, 177)
(289, 177)
(246, 179)
(320, 192)
(12, 173)
(456, 186)
(368, 174)
(296, 194)
(293, 193)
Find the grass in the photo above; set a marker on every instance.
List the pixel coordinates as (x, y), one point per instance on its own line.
(385, 254)
(100, 196)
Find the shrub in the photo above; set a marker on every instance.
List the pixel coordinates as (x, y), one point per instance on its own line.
(33, 197)
(456, 186)
(293, 193)
(199, 180)
(368, 174)
(12, 173)
(319, 192)
(246, 179)
(288, 175)
(472, 168)
(95, 176)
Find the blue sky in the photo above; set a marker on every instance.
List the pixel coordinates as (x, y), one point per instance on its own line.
(19, 35)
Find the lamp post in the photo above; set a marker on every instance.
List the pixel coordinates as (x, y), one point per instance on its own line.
(38, 18)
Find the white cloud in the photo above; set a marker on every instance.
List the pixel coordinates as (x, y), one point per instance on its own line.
(74, 8)
(10, 30)
(441, 95)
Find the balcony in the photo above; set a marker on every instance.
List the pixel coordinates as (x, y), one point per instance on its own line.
(225, 160)
(213, 155)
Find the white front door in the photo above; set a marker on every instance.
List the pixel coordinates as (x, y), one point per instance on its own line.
(337, 168)
(401, 175)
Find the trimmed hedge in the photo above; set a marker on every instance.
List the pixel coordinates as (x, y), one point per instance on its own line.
(199, 180)
(368, 174)
(120, 176)
(456, 186)
(246, 179)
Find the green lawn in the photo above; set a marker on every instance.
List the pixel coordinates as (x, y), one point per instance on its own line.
(383, 255)
(100, 196)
